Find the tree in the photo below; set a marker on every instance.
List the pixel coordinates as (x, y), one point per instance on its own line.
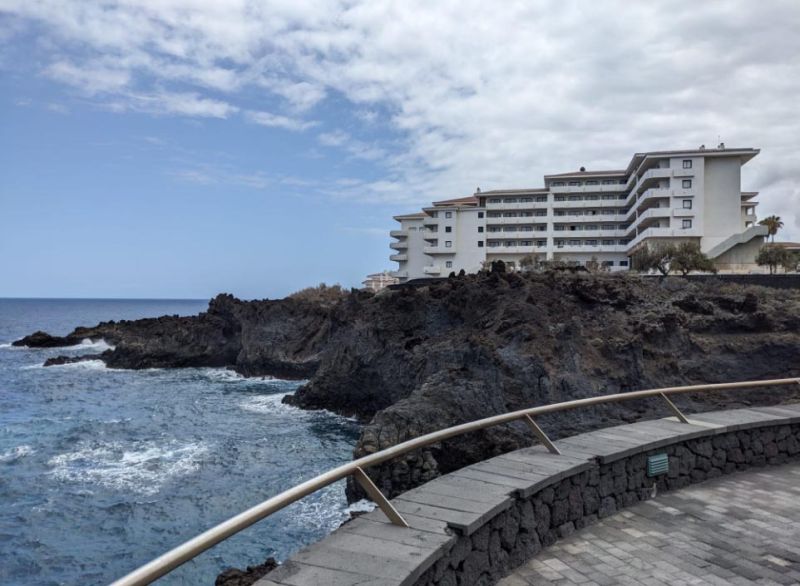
(773, 224)
(529, 263)
(773, 256)
(595, 266)
(688, 257)
(792, 263)
(658, 257)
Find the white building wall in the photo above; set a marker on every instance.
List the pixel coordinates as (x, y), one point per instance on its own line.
(722, 200)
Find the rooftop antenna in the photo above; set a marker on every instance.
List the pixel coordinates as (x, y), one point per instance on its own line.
(477, 190)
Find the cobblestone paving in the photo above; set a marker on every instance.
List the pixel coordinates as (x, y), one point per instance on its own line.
(737, 529)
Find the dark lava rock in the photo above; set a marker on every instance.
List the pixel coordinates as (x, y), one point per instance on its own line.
(417, 359)
(58, 360)
(44, 340)
(236, 577)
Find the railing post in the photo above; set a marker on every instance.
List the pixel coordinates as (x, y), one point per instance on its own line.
(377, 497)
(541, 435)
(672, 407)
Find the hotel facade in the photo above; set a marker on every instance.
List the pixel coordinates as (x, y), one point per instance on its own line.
(662, 196)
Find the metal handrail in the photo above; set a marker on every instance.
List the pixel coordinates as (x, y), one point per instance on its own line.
(167, 562)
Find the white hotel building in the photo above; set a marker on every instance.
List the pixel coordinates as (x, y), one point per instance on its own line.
(665, 196)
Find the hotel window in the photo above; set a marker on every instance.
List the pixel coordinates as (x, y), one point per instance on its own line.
(480, 228)
(687, 224)
(511, 200)
(448, 243)
(448, 228)
(541, 198)
(448, 214)
(687, 183)
(480, 243)
(434, 214)
(623, 263)
(480, 214)
(448, 264)
(687, 164)
(558, 184)
(591, 183)
(527, 243)
(574, 182)
(687, 204)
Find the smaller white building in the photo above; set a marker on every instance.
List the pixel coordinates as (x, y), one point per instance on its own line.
(379, 281)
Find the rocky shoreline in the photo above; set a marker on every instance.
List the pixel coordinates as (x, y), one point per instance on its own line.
(418, 359)
(414, 360)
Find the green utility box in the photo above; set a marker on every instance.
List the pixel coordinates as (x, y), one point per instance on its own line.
(657, 465)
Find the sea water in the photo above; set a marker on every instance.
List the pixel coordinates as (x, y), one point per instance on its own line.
(102, 469)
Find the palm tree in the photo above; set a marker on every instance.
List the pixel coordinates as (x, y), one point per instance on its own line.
(773, 224)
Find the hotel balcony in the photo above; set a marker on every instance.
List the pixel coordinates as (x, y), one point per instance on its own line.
(398, 233)
(586, 188)
(518, 235)
(432, 270)
(590, 203)
(664, 233)
(399, 257)
(528, 205)
(398, 245)
(600, 233)
(516, 220)
(584, 249)
(438, 250)
(514, 249)
(399, 274)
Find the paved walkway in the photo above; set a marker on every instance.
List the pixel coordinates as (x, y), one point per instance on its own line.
(738, 529)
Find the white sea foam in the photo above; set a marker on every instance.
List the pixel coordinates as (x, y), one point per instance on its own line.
(8, 345)
(362, 506)
(143, 467)
(270, 405)
(15, 454)
(87, 344)
(225, 375)
(82, 365)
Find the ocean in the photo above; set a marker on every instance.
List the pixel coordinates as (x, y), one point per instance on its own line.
(102, 470)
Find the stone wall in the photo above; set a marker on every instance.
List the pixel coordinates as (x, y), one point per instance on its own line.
(539, 520)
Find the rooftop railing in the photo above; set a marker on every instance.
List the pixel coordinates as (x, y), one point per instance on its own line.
(167, 562)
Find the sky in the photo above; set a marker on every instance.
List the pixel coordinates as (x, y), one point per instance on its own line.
(181, 148)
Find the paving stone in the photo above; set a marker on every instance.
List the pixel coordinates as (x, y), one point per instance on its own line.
(725, 533)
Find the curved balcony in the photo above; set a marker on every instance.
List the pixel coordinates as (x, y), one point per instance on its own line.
(399, 257)
(398, 233)
(432, 270)
(398, 245)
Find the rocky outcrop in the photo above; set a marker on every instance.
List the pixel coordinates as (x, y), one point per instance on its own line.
(414, 360)
(246, 577)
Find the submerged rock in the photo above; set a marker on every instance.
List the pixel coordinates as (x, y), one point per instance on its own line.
(59, 360)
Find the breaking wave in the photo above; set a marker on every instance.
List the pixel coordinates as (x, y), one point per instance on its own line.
(87, 344)
(15, 454)
(143, 467)
(270, 405)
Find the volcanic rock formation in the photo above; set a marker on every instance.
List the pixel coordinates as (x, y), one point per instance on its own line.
(418, 359)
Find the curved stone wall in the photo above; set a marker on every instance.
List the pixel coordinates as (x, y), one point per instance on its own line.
(477, 524)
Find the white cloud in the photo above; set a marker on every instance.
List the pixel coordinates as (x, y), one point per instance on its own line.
(278, 121)
(92, 79)
(475, 94)
(186, 104)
